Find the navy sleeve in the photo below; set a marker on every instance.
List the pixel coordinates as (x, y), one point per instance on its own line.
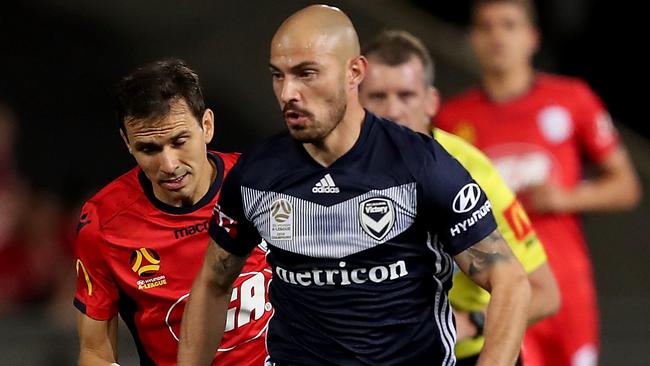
(229, 227)
(460, 213)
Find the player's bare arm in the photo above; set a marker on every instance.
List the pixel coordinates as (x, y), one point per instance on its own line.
(491, 264)
(204, 319)
(615, 188)
(545, 294)
(97, 340)
(545, 301)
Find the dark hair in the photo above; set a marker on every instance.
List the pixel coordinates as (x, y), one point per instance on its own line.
(148, 91)
(527, 5)
(396, 47)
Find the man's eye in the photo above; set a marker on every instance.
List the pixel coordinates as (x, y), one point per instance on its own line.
(406, 95)
(308, 73)
(146, 150)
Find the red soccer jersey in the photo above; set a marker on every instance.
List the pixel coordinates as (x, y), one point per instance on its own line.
(540, 136)
(138, 256)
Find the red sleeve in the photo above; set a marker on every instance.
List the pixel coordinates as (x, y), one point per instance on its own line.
(96, 294)
(229, 159)
(595, 131)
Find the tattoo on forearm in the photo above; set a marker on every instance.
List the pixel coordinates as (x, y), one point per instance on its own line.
(488, 252)
(227, 267)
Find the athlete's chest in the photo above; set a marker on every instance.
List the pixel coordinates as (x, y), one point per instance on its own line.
(543, 121)
(529, 143)
(154, 254)
(332, 213)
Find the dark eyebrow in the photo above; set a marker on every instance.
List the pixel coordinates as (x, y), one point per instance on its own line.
(140, 145)
(146, 145)
(297, 67)
(180, 134)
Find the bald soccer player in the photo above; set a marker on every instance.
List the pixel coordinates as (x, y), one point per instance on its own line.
(362, 232)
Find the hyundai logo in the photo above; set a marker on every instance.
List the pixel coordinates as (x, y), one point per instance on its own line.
(467, 198)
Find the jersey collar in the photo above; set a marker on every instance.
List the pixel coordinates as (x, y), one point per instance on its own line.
(145, 183)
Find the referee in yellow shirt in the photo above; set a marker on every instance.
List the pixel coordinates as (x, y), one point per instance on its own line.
(398, 86)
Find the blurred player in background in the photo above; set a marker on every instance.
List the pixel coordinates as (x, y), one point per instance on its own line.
(142, 238)
(398, 86)
(362, 230)
(536, 128)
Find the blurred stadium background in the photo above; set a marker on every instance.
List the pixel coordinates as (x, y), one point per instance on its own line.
(60, 60)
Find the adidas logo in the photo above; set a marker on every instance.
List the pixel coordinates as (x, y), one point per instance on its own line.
(326, 185)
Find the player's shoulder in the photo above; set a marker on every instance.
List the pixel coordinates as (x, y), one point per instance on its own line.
(116, 197)
(474, 161)
(395, 139)
(460, 101)
(228, 158)
(562, 84)
(398, 133)
(421, 155)
(463, 151)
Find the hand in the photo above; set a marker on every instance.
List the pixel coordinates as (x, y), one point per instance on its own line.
(464, 327)
(545, 198)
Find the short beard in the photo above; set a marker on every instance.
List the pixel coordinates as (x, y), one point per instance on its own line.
(337, 110)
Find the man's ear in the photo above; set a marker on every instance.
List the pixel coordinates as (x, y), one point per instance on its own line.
(357, 69)
(433, 101)
(207, 123)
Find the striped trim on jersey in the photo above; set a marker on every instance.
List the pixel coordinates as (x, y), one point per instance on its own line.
(321, 231)
(444, 266)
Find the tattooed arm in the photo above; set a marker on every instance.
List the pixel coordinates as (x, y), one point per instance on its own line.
(491, 264)
(204, 319)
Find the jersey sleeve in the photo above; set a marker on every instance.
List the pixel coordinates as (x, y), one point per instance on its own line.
(229, 227)
(512, 221)
(595, 130)
(96, 293)
(459, 210)
(518, 231)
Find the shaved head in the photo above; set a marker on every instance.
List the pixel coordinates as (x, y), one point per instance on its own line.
(317, 68)
(318, 26)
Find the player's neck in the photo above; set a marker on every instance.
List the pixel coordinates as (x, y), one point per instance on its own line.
(207, 176)
(505, 86)
(340, 140)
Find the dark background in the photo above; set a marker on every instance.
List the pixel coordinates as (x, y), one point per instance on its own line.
(60, 60)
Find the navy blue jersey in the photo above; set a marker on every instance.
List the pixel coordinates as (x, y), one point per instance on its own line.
(361, 251)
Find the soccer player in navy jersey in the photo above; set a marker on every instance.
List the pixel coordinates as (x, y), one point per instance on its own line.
(363, 219)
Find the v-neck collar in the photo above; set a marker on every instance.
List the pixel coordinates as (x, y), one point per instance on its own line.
(354, 151)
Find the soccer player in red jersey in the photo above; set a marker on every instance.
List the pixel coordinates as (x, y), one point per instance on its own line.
(143, 237)
(536, 128)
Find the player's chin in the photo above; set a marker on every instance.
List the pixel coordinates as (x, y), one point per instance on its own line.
(304, 135)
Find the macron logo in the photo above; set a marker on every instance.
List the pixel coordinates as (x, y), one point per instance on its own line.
(325, 185)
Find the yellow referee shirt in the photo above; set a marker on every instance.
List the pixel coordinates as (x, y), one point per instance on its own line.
(512, 221)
